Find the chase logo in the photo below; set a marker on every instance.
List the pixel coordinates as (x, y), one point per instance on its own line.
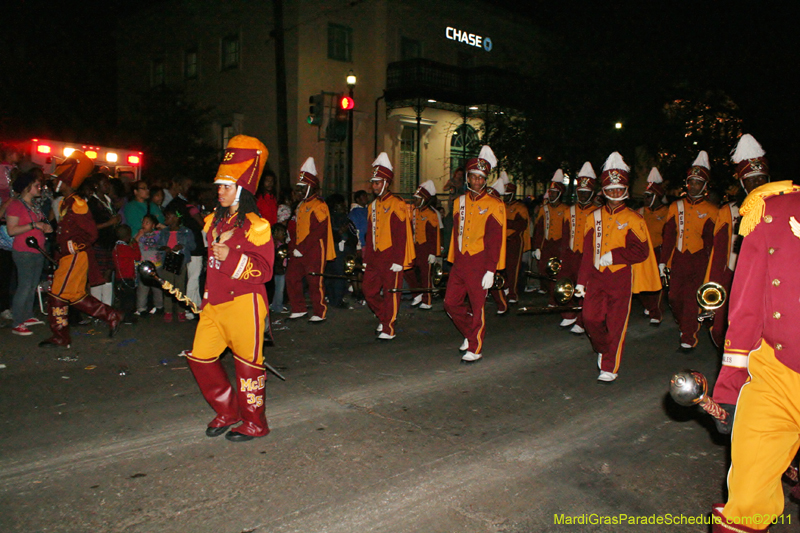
(470, 39)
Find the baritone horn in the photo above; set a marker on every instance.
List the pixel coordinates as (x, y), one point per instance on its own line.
(563, 292)
(710, 297)
(282, 252)
(353, 265)
(551, 271)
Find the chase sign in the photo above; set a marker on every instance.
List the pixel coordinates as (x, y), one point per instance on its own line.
(467, 38)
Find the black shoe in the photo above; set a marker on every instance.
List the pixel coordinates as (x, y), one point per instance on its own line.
(50, 343)
(235, 436)
(216, 432)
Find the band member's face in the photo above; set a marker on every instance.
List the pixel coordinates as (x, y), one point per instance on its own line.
(754, 181)
(649, 199)
(584, 196)
(226, 194)
(694, 186)
(418, 201)
(553, 195)
(378, 187)
(476, 181)
(615, 194)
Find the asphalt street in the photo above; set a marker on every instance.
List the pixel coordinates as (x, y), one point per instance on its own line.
(366, 436)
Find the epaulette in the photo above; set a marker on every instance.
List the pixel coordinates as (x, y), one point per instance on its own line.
(208, 220)
(752, 210)
(79, 206)
(260, 231)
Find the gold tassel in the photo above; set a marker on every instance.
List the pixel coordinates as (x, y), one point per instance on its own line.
(209, 219)
(260, 231)
(752, 209)
(79, 206)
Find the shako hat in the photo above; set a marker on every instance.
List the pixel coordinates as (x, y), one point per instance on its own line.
(242, 163)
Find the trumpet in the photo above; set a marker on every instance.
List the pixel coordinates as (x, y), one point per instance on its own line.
(710, 297)
(551, 270)
(563, 293)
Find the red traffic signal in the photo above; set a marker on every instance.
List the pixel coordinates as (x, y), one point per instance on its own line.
(346, 103)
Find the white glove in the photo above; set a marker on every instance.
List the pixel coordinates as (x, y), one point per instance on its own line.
(537, 254)
(661, 267)
(341, 246)
(296, 253)
(396, 268)
(431, 259)
(606, 260)
(488, 280)
(580, 291)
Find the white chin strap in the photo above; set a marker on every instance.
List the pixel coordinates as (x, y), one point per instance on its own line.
(238, 194)
(553, 200)
(588, 200)
(308, 191)
(59, 182)
(702, 191)
(623, 197)
(652, 201)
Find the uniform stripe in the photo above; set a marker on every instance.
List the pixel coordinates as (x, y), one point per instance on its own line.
(479, 336)
(320, 279)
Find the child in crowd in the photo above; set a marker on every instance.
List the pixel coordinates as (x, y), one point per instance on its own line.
(177, 243)
(126, 255)
(147, 237)
(278, 269)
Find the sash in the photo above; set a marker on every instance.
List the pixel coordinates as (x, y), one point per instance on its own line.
(573, 226)
(414, 224)
(732, 255)
(462, 213)
(546, 221)
(373, 210)
(681, 223)
(598, 236)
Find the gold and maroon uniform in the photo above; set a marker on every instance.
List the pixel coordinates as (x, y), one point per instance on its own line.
(518, 241)
(655, 219)
(686, 248)
(235, 307)
(427, 242)
(761, 361)
(313, 238)
(548, 235)
(389, 242)
(477, 246)
(724, 253)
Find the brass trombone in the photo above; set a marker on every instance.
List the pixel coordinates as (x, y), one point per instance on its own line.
(439, 279)
(353, 266)
(563, 293)
(710, 297)
(551, 270)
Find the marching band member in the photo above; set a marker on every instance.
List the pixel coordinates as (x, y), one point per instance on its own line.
(655, 212)
(752, 171)
(311, 247)
(618, 261)
(572, 247)
(760, 377)
(499, 295)
(426, 226)
(686, 247)
(548, 229)
(240, 259)
(518, 239)
(477, 251)
(389, 248)
(76, 234)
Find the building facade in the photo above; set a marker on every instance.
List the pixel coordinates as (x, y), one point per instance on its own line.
(427, 73)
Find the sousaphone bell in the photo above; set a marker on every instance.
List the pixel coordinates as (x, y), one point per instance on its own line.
(710, 297)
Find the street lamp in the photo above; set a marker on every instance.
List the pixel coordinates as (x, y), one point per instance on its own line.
(618, 126)
(351, 84)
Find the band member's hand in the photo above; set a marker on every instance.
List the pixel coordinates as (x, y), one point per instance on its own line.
(580, 291)
(726, 426)
(537, 254)
(488, 280)
(296, 253)
(431, 259)
(661, 267)
(606, 260)
(220, 251)
(396, 268)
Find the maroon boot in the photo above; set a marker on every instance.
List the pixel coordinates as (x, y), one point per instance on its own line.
(251, 381)
(219, 394)
(94, 307)
(58, 318)
(720, 524)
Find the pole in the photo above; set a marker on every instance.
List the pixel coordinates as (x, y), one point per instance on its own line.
(419, 137)
(349, 189)
(281, 98)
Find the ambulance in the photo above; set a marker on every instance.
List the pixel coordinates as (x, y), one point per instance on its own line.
(48, 153)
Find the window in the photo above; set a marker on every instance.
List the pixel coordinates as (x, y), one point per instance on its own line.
(408, 160)
(190, 64)
(227, 135)
(230, 52)
(410, 48)
(340, 42)
(464, 145)
(157, 73)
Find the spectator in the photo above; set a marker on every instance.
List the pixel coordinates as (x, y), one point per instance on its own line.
(141, 205)
(265, 198)
(26, 220)
(358, 214)
(8, 164)
(279, 270)
(190, 218)
(147, 238)
(175, 239)
(126, 255)
(106, 220)
(173, 189)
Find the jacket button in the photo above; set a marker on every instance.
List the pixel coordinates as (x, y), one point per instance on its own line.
(778, 347)
(776, 282)
(771, 251)
(767, 218)
(231, 292)
(776, 315)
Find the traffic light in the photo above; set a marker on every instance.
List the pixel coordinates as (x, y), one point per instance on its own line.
(316, 109)
(343, 105)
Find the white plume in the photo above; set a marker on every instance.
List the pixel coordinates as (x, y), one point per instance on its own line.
(487, 155)
(615, 161)
(309, 166)
(558, 177)
(429, 186)
(747, 148)
(654, 176)
(702, 160)
(587, 171)
(383, 161)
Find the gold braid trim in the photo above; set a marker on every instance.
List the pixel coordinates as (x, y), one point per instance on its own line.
(170, 288)
(752, 210)
(208, 220)
(79, 206)
(260, 231)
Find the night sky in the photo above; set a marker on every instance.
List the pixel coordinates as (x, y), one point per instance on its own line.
(59, 73)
